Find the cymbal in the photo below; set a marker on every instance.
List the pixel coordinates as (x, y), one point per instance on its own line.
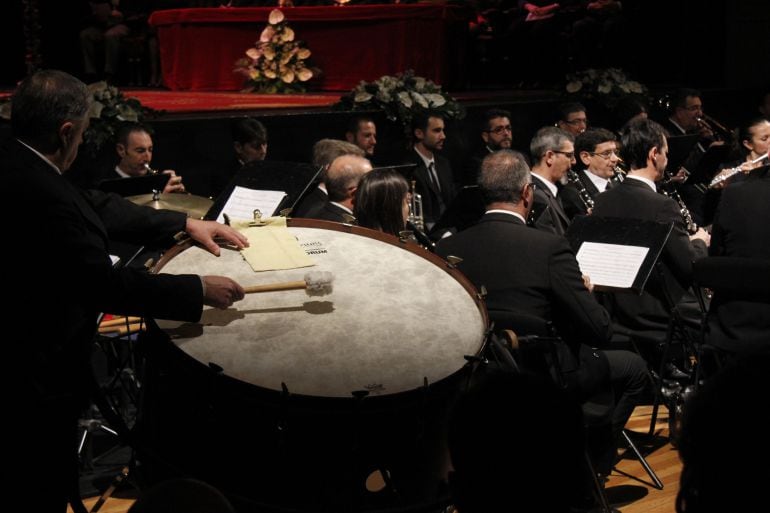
(194, 206)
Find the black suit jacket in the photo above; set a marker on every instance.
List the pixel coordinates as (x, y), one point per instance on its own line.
(741, 229)
(534, 273)
(332, 212)
(571, 199)
(553, 219)
(61, 274)
(311, 204)
(434, 202)
(634, 199)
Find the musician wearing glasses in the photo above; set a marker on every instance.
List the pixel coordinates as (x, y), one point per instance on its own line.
(596, 151)
(553, 154)
(497, 134)
(572, 118)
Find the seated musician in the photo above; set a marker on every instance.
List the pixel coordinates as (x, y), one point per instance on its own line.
(752, 143)
(530, 272)
(553, 153)
(382, 201)
(597, 156)
(645, 150)
(342, 179)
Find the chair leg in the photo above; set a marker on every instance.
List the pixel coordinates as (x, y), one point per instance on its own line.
(601, 497)
(643, 461)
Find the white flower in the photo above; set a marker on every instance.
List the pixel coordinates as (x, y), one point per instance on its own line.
(126, 113)
(435, 100)
(604, 88)
(419, 83)
(384, 95)
(420, 99)
(276, 17)
(405, 100)
(635, 87)
(362, 97)
(574, 86)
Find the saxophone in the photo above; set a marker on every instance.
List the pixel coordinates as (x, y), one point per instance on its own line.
(573, 178)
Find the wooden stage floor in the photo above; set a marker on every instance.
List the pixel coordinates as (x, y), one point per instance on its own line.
(629, 489)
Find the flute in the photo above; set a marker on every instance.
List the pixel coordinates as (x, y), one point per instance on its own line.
(729, 173)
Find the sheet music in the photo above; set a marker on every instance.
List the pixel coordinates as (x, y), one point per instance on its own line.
(611, 265)
(243, 201)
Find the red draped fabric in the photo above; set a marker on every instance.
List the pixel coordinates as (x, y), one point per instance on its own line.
(198, 47)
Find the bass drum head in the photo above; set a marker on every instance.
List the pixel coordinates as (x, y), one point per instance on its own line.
(310, 396)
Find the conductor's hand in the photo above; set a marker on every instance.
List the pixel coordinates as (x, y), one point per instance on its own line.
(221, 292)
(204, 232)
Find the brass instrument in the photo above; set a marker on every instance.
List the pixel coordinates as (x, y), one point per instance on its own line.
(619, 174)
(721, 132)
(416, 218)
(725, 174)
(573, 178)
(670, 192)
(151, 170)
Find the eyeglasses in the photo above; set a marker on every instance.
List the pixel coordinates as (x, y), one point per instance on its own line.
(694, 108)
(575, 122)
(606, 155)
(500, 129)
(569, 154)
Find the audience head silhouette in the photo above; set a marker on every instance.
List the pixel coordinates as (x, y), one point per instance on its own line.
(511, 438)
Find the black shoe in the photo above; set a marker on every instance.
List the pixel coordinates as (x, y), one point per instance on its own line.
(671, 371)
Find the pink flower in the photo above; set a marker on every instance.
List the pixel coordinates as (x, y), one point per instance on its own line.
(276, 17)
(267, 34)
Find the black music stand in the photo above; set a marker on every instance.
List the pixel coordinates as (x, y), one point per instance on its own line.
(135, 185)
(622, 232)
(463, 212)
(293, 178)
(679, 149)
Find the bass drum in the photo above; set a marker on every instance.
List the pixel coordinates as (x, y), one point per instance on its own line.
(334, 403)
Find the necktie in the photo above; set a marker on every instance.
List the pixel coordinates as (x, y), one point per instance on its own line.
(608, 186)
(434, 176)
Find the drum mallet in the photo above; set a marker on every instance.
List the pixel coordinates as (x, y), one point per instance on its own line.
(316, 283)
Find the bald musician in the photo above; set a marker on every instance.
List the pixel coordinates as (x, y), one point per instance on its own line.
(342, 179)
(64, 278)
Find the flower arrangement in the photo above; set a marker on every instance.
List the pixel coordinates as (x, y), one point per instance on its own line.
(607, 86)
(109, 110)
(401, 96)
(277, 62)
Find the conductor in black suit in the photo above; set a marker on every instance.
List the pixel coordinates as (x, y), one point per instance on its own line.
(645, 149)
(57, 288)
(526, 271)
(597, 154)
(433, 175)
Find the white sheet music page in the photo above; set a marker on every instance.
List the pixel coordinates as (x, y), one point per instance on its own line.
(243, 201)
(611, 265)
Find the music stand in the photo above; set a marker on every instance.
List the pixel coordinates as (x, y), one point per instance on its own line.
(293, 178)
(135, 185)
(464, 211)
(622, 232)
(710, 162)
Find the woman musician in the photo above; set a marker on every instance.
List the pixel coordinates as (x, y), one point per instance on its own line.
(753, 144)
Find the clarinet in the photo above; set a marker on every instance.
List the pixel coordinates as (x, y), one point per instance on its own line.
(573, 178)
(670, 192)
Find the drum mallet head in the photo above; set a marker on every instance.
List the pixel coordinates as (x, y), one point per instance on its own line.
(319, 283)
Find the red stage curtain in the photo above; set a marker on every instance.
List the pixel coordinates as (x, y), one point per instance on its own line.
(198, 47)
